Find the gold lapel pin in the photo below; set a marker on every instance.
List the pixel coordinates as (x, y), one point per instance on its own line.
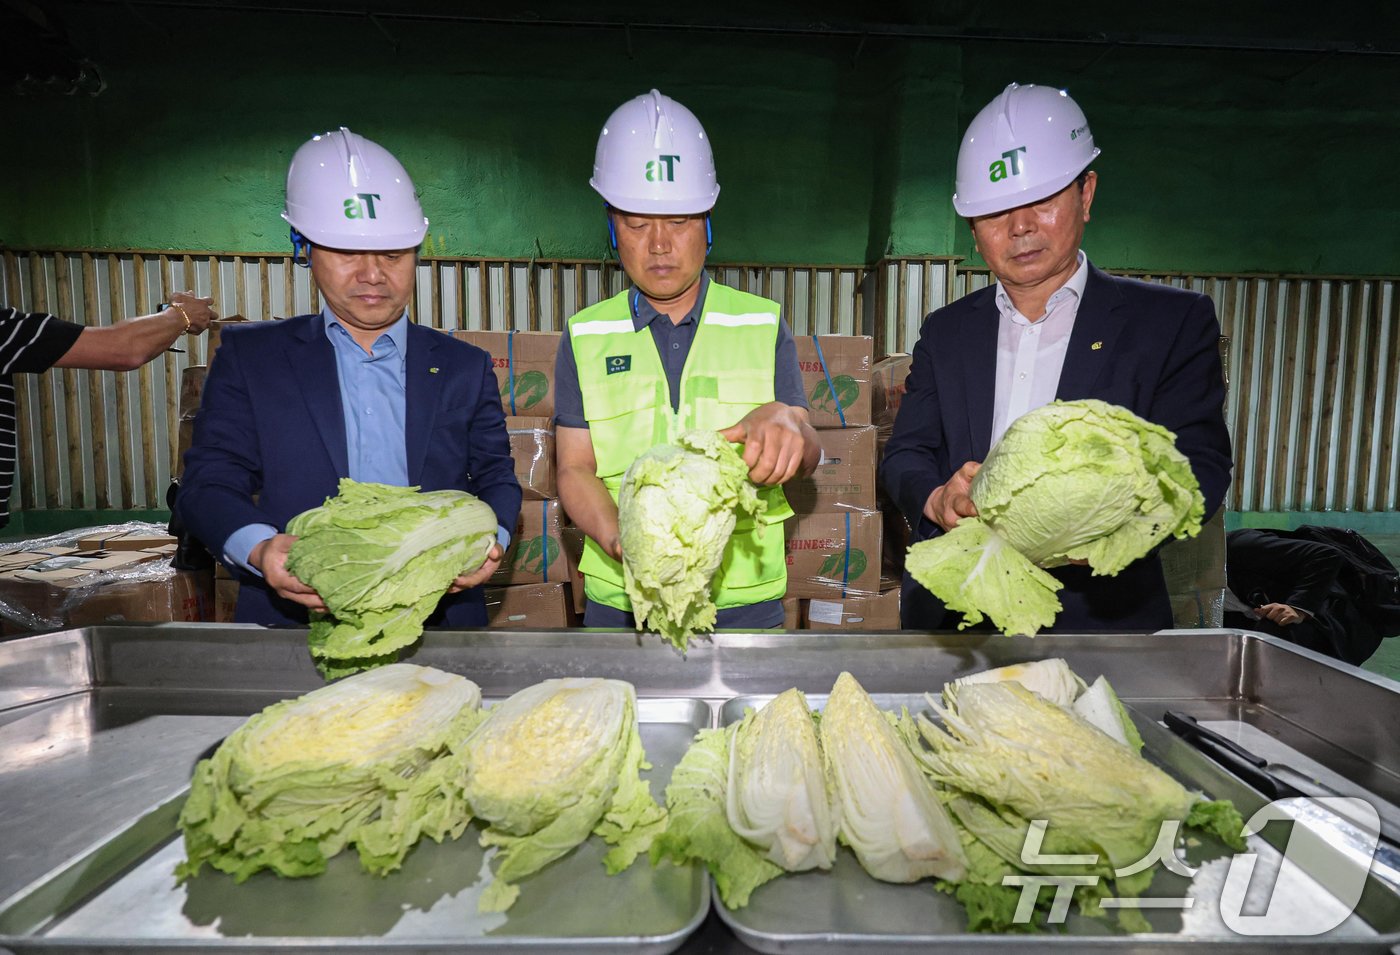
(433, 371)
(1096, 346)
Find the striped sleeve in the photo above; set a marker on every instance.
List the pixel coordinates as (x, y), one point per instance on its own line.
(32, 341)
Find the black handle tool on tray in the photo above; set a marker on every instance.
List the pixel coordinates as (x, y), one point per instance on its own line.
(1274, 780)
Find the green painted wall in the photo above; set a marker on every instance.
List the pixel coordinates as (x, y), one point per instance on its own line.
(827, 151)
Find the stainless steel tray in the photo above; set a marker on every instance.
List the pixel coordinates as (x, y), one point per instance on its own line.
(100, 727)
(844, 909)
(121, 896)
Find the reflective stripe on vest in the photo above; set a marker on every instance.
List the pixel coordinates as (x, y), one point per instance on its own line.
(728, 372)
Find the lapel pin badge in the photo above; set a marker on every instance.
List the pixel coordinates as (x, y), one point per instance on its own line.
(433, 371)
(1094, 347)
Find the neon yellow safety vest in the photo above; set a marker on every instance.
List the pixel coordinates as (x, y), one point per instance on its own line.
(627, 402)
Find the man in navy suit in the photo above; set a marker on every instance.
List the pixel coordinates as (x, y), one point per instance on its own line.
(1053, 326)
(291, 407)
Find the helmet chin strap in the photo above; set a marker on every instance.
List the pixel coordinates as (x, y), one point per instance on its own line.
(301, 249)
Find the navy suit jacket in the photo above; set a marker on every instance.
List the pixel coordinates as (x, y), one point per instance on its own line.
(1151, 348)
(269, 443)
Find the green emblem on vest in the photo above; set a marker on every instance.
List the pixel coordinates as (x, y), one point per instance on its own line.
(617, 363)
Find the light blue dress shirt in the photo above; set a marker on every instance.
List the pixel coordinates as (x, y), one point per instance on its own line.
(372, 398)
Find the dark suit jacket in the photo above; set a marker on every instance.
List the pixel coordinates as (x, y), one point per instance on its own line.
(1267, 566)
(1150, 348)
(271, 426)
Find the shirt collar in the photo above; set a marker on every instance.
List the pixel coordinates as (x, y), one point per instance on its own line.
(1074, 287)
(643, 314)
(397, 332)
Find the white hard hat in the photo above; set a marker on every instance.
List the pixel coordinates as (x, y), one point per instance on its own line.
(347, 192)
(654, 158)
(1028, 143)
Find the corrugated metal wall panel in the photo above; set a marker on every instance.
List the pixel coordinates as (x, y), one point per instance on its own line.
(1314, 376)
(106, 440)
(1314, 370)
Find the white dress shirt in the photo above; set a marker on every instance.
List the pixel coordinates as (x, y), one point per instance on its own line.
(1030, 354)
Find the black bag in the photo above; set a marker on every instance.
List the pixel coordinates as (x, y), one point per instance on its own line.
(1367, 576)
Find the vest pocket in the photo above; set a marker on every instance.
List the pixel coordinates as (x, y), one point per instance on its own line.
(735, 395)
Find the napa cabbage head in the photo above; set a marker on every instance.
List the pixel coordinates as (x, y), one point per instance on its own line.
(890, 815)
(381, 557)
(371, 760)
(1024, 755)
(677, 507)
(752, 801)
(697, 822)
(1070, 481)
(1053, 680)
(1062, 760)
(778, 796)
(551, 764)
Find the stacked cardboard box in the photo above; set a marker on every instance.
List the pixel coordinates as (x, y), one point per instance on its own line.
(887, 386)
(191, 389)
(99, 577)
(836, 378)
(833, 542)
(532, 447)
(880, 612)
(888, 382)
(225, 595)
(834, 554)
(844, 480)
(531, 589)
(536, 553)
(530, 607)
(524, 366)
(215, 334)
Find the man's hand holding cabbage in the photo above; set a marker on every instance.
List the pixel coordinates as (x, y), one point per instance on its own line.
(1073, 482)
(779, 443)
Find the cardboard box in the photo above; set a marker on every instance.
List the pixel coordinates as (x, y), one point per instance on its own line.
(79, 595)
(846, 478)
(215, 335)
(524, 366)
(836, 378)
(880, 612)
(530, 607)
(26, 558)
(887, 384)
(536, 552)
(792, 613)
(573, 539)
(191, 388)
(826, 562)
(532, 447)
(127, 540)
(225, 599)
(81, 565)
(182, 444)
